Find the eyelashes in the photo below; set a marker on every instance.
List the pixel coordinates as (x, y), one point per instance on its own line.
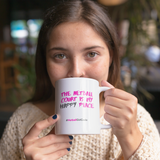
(63, 56)
(92, 54)
(60, 56)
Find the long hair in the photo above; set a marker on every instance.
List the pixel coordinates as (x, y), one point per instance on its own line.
(73, 11)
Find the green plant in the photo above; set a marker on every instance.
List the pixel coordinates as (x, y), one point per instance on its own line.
(139, 14)
(26, 80)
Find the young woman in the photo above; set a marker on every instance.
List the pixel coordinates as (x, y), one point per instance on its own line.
(77, 39)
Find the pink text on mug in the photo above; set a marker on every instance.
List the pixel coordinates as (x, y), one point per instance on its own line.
(69, 99)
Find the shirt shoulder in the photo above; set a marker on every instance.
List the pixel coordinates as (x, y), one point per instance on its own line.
(24, 117)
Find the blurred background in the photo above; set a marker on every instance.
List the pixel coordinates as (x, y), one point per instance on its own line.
(138, 27)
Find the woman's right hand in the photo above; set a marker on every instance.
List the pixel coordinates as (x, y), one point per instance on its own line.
(50, 147)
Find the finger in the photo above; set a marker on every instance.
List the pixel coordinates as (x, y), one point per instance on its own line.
(111, 119)
(118, 118)
(114, 121)
(106, 84)
(53, 156)
(127, 107)
(58, 154)
(114, 92)
(115, 102)
(112, 111)
(51, 138)
(39, 126)
(55, 147)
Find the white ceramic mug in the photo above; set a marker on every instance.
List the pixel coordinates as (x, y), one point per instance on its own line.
(77, 104)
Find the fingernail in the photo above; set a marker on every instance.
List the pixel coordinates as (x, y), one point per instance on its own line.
(68, 149)
(71, 137)
(70, 143)
(55, 116)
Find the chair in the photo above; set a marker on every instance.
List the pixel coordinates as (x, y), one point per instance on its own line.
(8, 74)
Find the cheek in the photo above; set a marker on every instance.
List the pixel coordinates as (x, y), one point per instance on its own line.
(101, 71)
(54, 73)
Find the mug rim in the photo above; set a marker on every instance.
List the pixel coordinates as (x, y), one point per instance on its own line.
(77, 78)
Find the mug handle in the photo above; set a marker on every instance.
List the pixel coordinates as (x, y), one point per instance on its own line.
(102, 126)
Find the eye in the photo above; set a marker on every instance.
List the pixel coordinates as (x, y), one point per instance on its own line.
(92, 54)
(60, 56)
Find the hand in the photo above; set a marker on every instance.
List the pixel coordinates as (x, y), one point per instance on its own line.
(121, 112)
(49, 147)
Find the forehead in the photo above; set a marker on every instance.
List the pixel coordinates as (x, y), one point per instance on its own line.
(78, 31)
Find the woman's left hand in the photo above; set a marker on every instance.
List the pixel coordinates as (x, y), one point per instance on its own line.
(121, 112)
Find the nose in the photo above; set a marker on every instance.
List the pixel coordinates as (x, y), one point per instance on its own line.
(76, 69)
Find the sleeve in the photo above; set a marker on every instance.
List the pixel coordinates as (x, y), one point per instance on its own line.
(149, 148)
(10, 143)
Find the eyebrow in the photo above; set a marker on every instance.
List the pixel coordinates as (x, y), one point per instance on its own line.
(63, 49)
(92, 47)
(57, 48)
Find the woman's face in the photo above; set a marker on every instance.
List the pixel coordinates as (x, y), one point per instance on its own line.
(76, 50)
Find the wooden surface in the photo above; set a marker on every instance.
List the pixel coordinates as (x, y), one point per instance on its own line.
(7, 78)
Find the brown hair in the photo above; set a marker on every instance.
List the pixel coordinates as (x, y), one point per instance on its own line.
(72, 11)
